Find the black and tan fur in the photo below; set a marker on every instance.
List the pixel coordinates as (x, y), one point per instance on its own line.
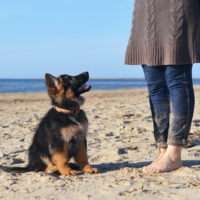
(61, 135)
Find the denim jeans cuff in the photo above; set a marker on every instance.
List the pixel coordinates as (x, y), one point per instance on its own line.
(161, 145)
(182, 142)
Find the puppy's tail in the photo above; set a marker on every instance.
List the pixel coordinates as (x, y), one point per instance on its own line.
(15, 169)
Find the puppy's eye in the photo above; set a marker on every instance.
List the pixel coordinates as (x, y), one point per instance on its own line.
(71, 80)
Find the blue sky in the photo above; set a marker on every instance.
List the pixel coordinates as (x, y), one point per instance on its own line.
(66, 36)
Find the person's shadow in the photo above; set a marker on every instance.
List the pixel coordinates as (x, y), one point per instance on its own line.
(108, 167)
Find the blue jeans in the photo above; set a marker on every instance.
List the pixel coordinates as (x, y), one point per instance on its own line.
(171, 98)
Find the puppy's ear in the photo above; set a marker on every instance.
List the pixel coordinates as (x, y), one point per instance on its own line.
(51, 82)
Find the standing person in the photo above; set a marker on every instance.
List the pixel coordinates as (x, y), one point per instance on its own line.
(165, 40)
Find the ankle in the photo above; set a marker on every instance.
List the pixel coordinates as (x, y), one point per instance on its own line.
(162, 150)
(174, 153)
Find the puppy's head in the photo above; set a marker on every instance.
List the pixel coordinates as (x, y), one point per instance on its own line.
(65, 90)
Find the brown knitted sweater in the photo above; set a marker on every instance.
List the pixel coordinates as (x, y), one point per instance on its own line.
(164, 32)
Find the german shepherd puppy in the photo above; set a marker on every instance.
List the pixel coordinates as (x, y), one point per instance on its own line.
(61, 134)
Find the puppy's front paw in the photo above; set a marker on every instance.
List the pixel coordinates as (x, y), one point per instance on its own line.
(68, 172)
(51, 169)
(89, 169)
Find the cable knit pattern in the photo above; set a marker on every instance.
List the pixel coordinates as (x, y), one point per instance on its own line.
(164, 32)
(176, 25)
(150, 26)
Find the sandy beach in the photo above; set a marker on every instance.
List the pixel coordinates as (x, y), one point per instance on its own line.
(120, 143)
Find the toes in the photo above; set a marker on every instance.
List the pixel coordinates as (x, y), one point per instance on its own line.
(148, 169)
(51, 169)
(95, 171)
(151, 169)
(68, 172)
(89, 169)
(144, 169)
(72, 172)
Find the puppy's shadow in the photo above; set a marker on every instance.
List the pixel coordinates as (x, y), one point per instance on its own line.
(108, 167)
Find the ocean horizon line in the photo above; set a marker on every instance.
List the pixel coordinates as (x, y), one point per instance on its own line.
(89, 78)
(92, 78)
(38, 84)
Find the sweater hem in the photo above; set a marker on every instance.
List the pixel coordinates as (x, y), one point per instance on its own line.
(155, 55)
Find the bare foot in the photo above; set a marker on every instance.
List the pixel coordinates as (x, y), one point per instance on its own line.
(162, 153)
(171, 160)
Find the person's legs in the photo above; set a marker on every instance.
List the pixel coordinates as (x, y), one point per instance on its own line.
(159, 104)
(179, 82)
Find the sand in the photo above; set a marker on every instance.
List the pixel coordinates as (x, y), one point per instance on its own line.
(120, 143)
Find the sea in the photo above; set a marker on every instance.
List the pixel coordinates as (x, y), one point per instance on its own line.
(38, 85)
